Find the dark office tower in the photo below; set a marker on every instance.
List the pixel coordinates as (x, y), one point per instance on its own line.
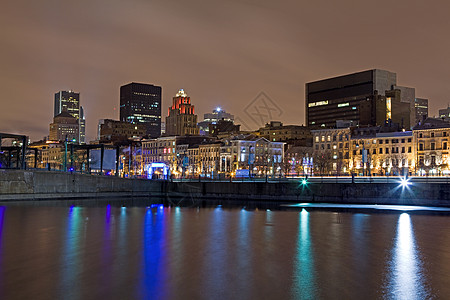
(141, 104)
(69, 101)
(358, 97)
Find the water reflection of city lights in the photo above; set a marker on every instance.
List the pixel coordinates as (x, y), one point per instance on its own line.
(405, 275)
(304, 273)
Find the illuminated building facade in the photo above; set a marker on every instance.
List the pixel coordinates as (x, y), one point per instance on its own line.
(52, 156)
(359, 97)
(172, 150)
(257, 154)
(208, 157)
(69, 101)
(181, 119)
(386, 153)
(141, 104)
(332, 150)
(432, 147)
(363, 151)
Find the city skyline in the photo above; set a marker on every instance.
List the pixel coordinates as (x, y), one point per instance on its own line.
(222, 54)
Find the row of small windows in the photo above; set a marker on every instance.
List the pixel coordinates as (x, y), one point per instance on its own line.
(392, 150)
(386, 141)
(432, 134)
(432, 146)
(329, 138)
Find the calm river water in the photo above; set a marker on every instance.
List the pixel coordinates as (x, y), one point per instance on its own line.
(157, 252)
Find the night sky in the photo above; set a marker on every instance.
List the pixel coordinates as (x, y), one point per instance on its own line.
(223, 53)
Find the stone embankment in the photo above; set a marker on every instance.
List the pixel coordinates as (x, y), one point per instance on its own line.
(41, 185)
(44, 185)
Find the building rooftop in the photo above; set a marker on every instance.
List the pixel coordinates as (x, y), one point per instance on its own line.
(432, 123)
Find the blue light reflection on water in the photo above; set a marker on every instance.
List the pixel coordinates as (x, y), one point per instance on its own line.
(304, 277)
(71, 256)
(153, 275)
(405, 278)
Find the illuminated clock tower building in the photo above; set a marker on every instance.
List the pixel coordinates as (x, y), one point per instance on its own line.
(181, 119)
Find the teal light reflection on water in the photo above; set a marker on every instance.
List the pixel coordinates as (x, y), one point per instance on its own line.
(123, 228)
(268, 230)
(244, 255)
(154, 254)
(304, 285)
(71, 256)
(405, 278)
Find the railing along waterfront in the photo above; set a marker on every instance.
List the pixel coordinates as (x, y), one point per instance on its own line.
(325, 179)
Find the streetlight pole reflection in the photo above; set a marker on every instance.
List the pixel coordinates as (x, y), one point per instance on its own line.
(304, 285)
(405, 278)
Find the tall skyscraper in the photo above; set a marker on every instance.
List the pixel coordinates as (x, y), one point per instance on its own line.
(369, 97)
(181, 119)
(69, 101)
(141, 104)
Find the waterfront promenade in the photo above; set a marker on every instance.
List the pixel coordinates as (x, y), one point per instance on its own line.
(40, 185)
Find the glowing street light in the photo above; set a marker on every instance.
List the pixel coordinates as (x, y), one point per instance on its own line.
(404, 182)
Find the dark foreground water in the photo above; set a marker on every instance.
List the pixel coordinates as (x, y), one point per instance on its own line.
(220, 253)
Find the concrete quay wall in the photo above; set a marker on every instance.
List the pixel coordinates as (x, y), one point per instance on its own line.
(43, 185)
(430, 194)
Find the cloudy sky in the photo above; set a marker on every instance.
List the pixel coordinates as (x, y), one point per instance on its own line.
(222, 52)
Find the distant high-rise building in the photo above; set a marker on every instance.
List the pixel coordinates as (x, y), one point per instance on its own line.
(163, 128)
(421, 109)
(141, 104)
(64, 127)
(181, 119)
(213, 118)
(444, 114)
(69, 101)
(359, 97)
(82, 122)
